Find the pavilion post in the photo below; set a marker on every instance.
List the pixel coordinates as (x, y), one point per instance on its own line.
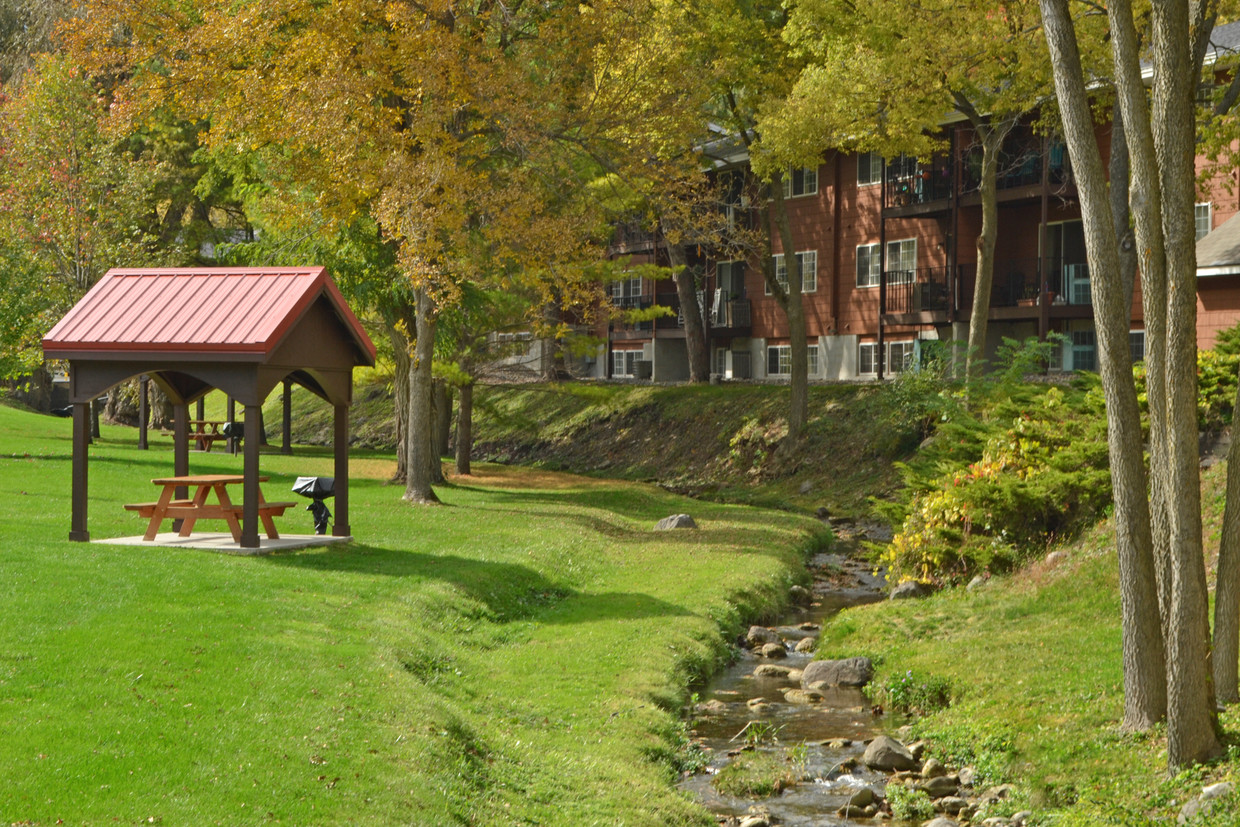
(249, 503)
(232, 418)
(340, 528)
(144, 410)
(81, 438)
(180, 451)
(286, 446)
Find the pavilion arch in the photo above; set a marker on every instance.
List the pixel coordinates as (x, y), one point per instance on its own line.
(192, 330)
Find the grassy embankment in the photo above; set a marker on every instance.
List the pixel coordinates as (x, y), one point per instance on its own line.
(513, 657)
(1032, 659)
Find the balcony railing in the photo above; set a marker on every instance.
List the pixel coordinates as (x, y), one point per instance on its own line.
(632, 236)
(1022, 282)
(910, 181)
(925, 289)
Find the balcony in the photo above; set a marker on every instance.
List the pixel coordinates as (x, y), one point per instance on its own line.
(1021, 285)
(631, 237)
(925, 290)
(911, 183)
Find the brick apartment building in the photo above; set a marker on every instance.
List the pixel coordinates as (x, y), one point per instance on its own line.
(888, 253)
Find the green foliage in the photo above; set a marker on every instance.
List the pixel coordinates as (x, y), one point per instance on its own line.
(988, 747)
(909, 804)
(911, 692)
(1042, 473)
(1216, 387)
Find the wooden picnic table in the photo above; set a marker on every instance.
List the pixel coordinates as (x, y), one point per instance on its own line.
(205, 432)
(196, 507)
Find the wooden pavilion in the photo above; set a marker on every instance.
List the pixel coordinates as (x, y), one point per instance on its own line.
(240, 330)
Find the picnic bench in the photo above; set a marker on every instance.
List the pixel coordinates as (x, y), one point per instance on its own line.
(205, 432)
(196, 507)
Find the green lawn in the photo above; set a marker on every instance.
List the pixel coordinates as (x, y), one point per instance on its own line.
(516, 656)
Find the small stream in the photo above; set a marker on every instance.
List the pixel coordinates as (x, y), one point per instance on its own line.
(822, 737)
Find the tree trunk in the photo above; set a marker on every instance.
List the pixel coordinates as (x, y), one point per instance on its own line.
(400, 395)
(464, 429)
(443, 418)
(992, 143)
(419, 436)
(691, 312)
(1143, 653)
(1227, 588)
(791, 301)
(1191, 735)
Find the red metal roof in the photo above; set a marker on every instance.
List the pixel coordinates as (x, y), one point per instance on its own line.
(201, 309)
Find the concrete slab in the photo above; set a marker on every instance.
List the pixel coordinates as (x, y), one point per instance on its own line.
(224, 543)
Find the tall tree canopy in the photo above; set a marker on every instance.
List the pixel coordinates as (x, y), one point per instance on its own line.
(459, 130)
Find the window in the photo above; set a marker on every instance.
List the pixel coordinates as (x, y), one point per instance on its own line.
(624, 363)
(1136, 345)
(867, 358)
(1202, 216)
(869, 169)
(809, 271)
(626, 292)
(812, 360)
(800, 182)
(779, 360)
(900, 356)
(901, 260)
(1084, 350)
(869, 265)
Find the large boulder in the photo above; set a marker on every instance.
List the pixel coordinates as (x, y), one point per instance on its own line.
(887, 754)
(758, 635)
(846, 672)
(675, 521)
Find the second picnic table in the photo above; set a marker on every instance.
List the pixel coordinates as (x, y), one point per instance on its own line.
(196, 507)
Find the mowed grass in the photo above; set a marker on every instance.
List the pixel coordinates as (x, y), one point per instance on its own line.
(1034, 663)
(515, 656)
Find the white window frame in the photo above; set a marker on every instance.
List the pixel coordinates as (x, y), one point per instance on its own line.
(809, 182)
(1203, 219)
(783, 360)
(897, 247)
(874, 273)
(811, 360)
(629, 288)
(869, 169)
(1136, 345)
(624, 363)
(872, 349)
(809, 271)
(908, 356)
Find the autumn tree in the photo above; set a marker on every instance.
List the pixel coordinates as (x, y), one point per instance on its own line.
(1159, 123)
(453, 128)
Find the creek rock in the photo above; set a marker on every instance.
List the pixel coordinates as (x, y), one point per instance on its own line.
(941, 822)
(675, 521)
(774, 651)
(886, 753)
(862, 798)
(999, 793)
(846, 672)
(909, 589)
(803, 696)
(755, 821)
(1204, 803)
(801, 595)
(933, 768)
(807, 644)
(951, 804)
(772, 670)
(943, 785)
(760, 635)
(967, 776)
(1056, 557)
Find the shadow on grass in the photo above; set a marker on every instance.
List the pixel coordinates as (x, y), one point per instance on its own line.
(508, 591)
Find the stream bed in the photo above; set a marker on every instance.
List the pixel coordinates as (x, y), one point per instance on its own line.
(824, 740)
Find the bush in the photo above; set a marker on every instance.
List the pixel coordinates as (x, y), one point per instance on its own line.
(1042, 476)
(911, 692)
(909, 804)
